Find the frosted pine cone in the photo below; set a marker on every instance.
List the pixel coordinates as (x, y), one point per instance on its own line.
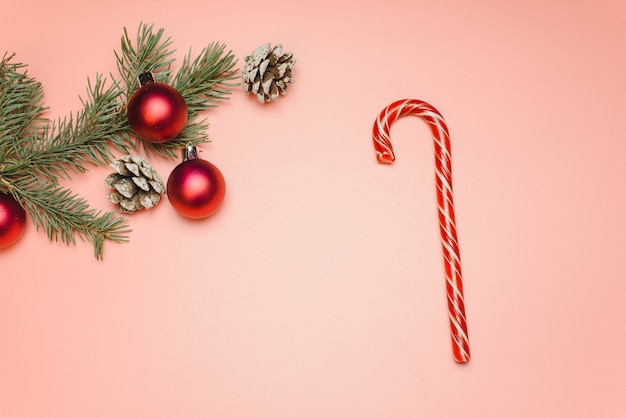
(267, 72)
(136, 184)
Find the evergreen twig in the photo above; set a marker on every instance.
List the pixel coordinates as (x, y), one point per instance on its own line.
(31, 160)
(35, 152)
(64, 215)
(86, 138)
(149, 53)
(203, 82)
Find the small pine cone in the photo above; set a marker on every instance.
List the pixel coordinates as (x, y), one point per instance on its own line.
(136, 184)
(267, 72)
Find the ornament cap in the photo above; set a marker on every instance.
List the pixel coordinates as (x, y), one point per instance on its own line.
(190, 152)
(146, 78)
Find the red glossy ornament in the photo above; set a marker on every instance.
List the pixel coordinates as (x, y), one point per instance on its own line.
(156, 112)
(195, 188)
(12, 220)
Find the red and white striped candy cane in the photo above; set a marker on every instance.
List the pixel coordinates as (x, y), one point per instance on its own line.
(443, 171)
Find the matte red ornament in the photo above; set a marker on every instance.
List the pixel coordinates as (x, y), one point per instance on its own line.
(195, 188)
(156, 112)
(12, 220)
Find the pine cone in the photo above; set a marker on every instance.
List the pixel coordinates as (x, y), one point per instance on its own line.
(137, 184)
(267, 72)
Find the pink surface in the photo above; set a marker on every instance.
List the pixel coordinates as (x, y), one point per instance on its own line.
(317, 290)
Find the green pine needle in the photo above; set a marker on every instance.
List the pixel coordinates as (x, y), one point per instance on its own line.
(64, 215)
(86, 138)
(149, 53)
(21, 106)
(204, 82)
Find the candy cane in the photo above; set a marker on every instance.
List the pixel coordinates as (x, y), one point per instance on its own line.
(443, 167)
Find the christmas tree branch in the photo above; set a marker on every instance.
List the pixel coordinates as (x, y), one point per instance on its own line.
(203, 82)
(149, 53)
(33, 156)
(85, 139)
(35, 153)
(20, 102)
(64, 215)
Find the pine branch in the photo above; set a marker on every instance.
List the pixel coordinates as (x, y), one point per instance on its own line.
(148, 54)
(21, 99)
(32, 156)
(73, 143)
(64, 215)
(194, 133)
(205, 81)
(35, 153)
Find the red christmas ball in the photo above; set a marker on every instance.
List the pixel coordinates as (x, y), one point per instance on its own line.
(156, 112)
(196, 188)
(12, 220)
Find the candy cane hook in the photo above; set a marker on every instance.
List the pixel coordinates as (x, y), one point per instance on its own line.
(443, 171)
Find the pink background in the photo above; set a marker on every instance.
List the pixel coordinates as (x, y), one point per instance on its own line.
(317, 291)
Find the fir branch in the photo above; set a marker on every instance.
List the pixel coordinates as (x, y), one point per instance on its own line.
(203, 81)
(194, 134)
(21, 100)
(86, 138)
(64, 215)
(73, 143)
(206, 80)
(35, 153)
(149, 53)
(33, 156)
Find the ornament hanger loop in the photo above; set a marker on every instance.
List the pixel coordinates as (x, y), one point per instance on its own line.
(145, 78)
(190, 152)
